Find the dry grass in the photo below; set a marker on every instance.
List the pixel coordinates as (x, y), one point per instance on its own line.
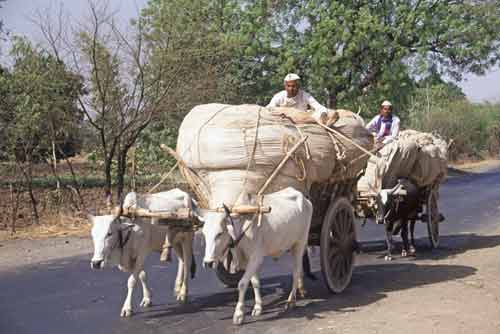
(62, 225)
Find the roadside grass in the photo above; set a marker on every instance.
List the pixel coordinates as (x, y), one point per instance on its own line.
(473, 130)
(87, 181)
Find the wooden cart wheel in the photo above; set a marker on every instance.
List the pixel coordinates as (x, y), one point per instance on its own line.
(337, 245)
(432, 216)
(227, 273)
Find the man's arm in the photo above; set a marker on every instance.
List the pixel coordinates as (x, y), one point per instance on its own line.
(274, 101)
(320, 112)
(372, 125)
(394, 131)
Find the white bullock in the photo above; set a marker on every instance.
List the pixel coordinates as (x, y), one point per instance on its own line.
(286, 227)
(126, 243)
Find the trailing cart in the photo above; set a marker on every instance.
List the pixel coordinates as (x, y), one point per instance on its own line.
(427, 209)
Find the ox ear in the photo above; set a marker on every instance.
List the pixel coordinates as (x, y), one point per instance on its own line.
(200, 214)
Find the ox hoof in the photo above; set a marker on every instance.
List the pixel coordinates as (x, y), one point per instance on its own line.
(404, 253)
(126, 313)
(238, 318)
(146, 302)
(388, 258)
(257, 310)
(289, 305)
(182, 299)
(302, 292)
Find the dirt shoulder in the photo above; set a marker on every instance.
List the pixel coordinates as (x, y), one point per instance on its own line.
(455, 291)
(18, 253)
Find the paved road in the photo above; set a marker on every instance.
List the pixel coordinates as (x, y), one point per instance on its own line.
(66, 297)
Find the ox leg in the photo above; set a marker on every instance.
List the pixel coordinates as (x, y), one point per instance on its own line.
(388, 240)
(404, 236)
(187, 254)
(413, 249)
(180, 270)
(146, 292)
(127, 305)
(298, 280)
(166, 251)
(257, 308)
(251, 270)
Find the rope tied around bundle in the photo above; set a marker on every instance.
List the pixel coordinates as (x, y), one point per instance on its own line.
(287, 141)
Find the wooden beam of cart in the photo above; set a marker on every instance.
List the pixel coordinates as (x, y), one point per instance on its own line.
(185, 214)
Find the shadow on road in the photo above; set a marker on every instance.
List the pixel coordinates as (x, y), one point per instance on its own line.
(370, 283)
(450, 246)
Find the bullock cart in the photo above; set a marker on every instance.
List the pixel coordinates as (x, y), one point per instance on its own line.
(418, 158)
(332, 227)
(224, 151)
(427, 209)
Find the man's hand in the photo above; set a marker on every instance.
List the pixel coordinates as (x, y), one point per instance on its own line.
(282, 115)
(332, 117)
(323, 119)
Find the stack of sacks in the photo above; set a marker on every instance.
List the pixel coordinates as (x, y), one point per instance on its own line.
(236, 148)
(432, 161)
(418, 156)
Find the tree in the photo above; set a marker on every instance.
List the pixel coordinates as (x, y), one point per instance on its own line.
(38, 108)
(346, 48)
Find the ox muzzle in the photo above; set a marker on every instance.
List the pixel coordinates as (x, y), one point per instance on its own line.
(96, 264)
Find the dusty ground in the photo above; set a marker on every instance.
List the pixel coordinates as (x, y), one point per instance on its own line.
(470, 303)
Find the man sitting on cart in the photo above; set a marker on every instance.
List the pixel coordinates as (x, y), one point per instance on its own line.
(294, 97)
(384, 126)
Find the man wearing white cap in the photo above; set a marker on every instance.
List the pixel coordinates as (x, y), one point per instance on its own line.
(294, 97)
(385, 125)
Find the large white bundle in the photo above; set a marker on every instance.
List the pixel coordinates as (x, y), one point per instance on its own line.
(418, 156)
(236, 148)
(431, 165)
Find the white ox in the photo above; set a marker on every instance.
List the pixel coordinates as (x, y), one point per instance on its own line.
(127, 243)
(286, 227)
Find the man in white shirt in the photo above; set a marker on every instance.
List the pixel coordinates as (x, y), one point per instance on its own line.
(295, 97)
(385, 126)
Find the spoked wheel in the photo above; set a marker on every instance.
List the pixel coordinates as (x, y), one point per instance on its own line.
(337, 245)
(226, 272)
(433, 217)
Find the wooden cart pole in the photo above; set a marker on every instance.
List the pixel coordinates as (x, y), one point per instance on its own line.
(280, 165)
(260, 197)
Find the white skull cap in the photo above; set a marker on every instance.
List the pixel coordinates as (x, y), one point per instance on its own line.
(291, 77)
(386, 103)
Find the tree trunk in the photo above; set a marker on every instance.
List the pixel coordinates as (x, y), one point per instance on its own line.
(14, 200)
(73, 179)
(332, 99)
(28, 178)
(133, 171)
(54, 159)
(107, 186)
(120, 173)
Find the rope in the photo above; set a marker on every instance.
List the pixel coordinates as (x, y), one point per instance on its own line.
(287, 140)
(306, 144)
(163, 178)
(252, 156)
(335, 141)
(333, 131)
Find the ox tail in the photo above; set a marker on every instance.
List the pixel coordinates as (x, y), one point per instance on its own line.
(193, 267)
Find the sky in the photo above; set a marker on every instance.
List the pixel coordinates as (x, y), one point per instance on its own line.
(16, 14)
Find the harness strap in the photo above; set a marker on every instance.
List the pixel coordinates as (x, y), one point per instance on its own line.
(235, 242)
(122, 241)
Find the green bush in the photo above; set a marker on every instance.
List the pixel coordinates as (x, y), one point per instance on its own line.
(470, 128)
